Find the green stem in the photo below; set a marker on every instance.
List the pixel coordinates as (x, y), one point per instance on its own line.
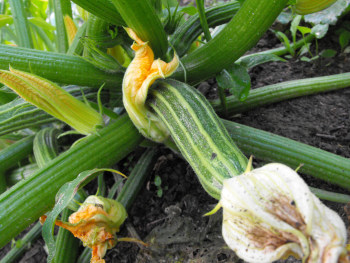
(41, 33)
(137, 177)
(273, 148)
(57, 67)
(3, 184)
(66, 244)
(240, 34)
(61, 8)
(14, 254)
(10, 156)
(103, 9)
(21, 23)
(76, 48)
(280, 51)
(283, 91)
(140, 16)
(330, 196)
(188, 32)
(99, 150)
(203, 19)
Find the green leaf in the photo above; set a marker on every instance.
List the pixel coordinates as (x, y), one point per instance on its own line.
(5, 20)
(285, 42)
(157, 181)
(304, 30)
(190, 10)
(63, 198)
(42, 23)
(160, 193)
(344, 39)
(294, 26)
(328, 53)
(170, 3)
(319, 31)
(257, 59)
(236, 79)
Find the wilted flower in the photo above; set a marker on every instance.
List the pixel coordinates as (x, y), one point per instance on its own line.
(96, 223)
(139, 76)
(51, 98)
(269, 213)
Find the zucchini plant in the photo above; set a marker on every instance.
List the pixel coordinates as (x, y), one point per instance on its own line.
(144, 57)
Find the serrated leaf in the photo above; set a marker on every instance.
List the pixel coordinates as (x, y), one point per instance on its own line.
(63, 198)
(329, 15)
(251, 61)
(236, 79)
(320, 30)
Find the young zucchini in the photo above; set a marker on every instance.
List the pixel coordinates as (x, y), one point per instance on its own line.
(198, 133)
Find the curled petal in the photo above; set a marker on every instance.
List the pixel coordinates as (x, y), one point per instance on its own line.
(139, 76)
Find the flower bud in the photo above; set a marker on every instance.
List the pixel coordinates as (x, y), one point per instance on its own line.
(269, 213)
(51, 98)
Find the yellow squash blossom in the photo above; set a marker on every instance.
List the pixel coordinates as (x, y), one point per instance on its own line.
(139, 76)
(51, 98)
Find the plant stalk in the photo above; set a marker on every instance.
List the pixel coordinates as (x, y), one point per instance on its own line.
(29, 199)
(141, 17)
(283, 91)
(240, 34)
(57, 67)
(21, 23)
(273, 148)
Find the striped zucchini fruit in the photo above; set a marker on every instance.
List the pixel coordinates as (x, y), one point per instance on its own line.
(198, 133)
(304, 7)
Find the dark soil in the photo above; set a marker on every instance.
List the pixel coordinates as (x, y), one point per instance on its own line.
(174, 224)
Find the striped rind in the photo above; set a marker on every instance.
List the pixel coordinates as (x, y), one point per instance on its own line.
(304, 7)
(199, 134)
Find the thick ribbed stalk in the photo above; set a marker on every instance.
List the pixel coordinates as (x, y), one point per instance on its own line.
(198, 133)
(188, 32)
(273, 148)
(103, 9)
(14, 254)
(61, 8)
(283, 91)
(45, 150)
(240, 34)
(10, 156)
(29, 199)
(57, 67)
(21, 24)
(66, 244)
(140, 16)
